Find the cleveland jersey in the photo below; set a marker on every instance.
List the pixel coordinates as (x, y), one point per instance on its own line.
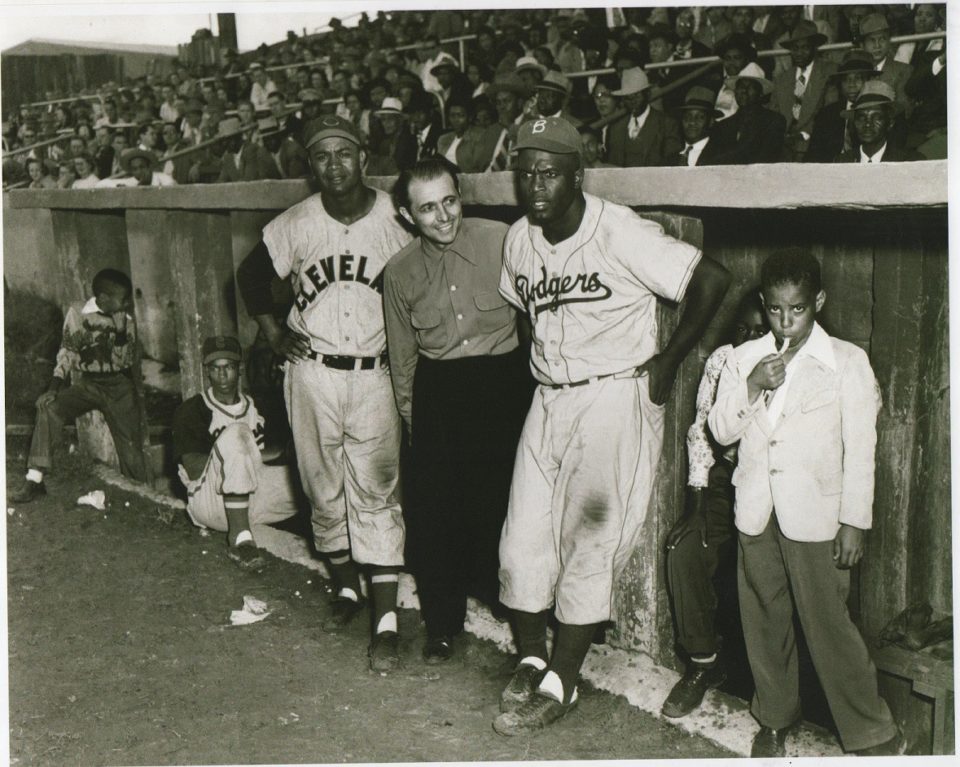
(592, 298)
(336, 271)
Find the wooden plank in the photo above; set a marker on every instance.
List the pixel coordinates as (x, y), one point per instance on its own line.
(155, 292)
(858, 187)
(640, 601)
(202, 263)
(929, 552)
(29, 251)
(895, 340)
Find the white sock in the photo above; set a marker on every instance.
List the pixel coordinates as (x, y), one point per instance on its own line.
(388, 623)
(34, 475)
(348, 593)
(242, 537)
(705, 661)
(532, 660)
(552, 685)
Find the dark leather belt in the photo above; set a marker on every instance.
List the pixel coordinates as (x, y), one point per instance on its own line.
(630, 373)
(343, 362)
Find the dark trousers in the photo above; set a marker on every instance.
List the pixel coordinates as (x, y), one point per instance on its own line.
(775, 576)
(467, 417)
(111, 394)
(691, 567)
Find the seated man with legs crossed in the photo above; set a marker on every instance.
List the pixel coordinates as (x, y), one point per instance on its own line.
(217, 441)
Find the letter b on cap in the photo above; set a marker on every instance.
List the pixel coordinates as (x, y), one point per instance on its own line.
(539, 126)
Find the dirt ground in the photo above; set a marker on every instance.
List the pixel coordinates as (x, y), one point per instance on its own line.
(121, 652)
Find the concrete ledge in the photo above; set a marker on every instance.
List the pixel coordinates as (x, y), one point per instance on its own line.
(722, 718)
(782, 185)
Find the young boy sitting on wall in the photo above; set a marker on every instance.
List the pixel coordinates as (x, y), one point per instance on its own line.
(98, 353)
(804, 407)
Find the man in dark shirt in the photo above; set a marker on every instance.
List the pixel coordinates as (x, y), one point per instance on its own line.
(217, 442)
(448, 324)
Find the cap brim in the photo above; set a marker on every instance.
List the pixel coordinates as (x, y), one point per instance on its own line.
(331, 133)
(225, 354)
(546, 145)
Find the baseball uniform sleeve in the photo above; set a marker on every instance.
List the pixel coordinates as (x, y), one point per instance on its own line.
(401, 344)
(508, 277)
(662, 263)
(280, 238)
(191, 428)
(859, 405)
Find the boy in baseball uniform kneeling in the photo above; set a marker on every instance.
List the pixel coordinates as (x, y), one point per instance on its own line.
(217, 441)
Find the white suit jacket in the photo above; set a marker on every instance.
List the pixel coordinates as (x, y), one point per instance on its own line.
(814, 467)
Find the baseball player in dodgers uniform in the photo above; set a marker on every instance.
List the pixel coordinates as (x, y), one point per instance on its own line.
(333, 246)
(588, 273)
(217, 441)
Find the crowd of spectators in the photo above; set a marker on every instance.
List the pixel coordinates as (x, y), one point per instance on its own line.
(409, 96)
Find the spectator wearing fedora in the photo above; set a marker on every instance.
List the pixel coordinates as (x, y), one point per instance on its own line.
(832, 134)
(242, 159)
(288, 156)
(697, 115)
(875, 36)
(285, 117)
(531, 73)
(735, 52)
(800, 91)
(552, 97)
(453, 83)
(644, 136)
(507, 93)
(754, 134)
(139, 164)
(872, 115)
(396, 149)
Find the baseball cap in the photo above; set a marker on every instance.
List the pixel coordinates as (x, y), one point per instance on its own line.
(221, 348)
(551, 134)
(330, 126)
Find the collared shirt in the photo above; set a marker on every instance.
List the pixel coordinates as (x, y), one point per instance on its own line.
(877, 157)
(94, 342)
(168, 113)
(695, 150)
(157, 179)
(445, 304)
(635, 124)
(817, 346)
(592, 298)
(805, 72)
(451, 153)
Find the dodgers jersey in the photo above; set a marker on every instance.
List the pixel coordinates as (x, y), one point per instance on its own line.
(592, 299)
(337, 273)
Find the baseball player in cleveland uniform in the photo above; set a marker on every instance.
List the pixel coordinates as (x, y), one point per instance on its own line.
(588, 273)
(218, 439)
(333, 247)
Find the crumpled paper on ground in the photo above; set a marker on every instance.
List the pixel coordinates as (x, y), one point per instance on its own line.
(254, 610)
(96, 498)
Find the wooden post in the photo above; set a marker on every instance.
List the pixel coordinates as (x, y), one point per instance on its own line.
(246, 230)
(202, 263)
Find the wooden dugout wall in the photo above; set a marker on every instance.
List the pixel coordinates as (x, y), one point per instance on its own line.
(879, 231)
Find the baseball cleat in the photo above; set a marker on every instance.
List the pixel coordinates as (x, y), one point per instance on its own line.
(342, 612)
(384, 652)
(521, 686)
(534, 714)
(247, 557)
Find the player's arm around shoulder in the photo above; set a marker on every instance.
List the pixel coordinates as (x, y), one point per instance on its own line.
(860, 403)
(732, 413)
